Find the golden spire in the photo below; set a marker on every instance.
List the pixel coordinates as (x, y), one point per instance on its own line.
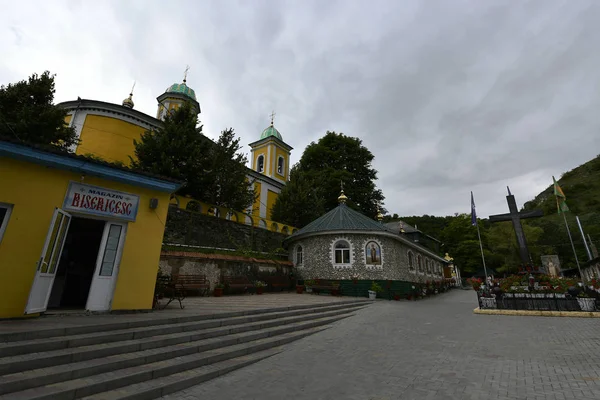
(342, 198)
(272, 117)
(379, 214)
(187, 68)
(128, 102)
(448, 258)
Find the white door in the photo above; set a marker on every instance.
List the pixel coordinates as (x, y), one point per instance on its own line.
(107, 267)
(48, 263)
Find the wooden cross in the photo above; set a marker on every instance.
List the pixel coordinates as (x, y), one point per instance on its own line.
(515, 216)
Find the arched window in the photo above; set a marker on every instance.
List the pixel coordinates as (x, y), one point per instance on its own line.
(411, 261)
(280, 165)
(341, 252)
(420, 264)
(299, 256)
(260, 163)
(428, 266)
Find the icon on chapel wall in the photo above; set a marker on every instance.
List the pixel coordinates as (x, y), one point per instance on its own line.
(373, 254)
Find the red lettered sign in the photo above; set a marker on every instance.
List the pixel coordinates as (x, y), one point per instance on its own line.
(100, 201)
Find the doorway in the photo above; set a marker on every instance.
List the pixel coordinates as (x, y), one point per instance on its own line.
(77, 264)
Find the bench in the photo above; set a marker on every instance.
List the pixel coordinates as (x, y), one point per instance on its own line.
(237, 283)
(180, 284)
(323, 285)
(278, 281)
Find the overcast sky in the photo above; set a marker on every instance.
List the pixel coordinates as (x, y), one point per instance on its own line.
(449, 95)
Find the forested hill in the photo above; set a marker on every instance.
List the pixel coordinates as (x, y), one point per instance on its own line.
(546, 235)
(581, 186)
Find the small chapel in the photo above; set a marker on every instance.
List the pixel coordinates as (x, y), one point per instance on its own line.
(344, 244)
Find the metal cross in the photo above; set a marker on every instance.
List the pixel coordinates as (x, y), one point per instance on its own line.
(187, 68)
(131, 93)
(272, 117)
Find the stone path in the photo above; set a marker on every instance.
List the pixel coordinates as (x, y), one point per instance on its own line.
(431, 349)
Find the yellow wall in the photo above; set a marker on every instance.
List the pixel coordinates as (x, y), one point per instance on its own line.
(35, 191)
(256, 205)
(109, 138)
(256, 152)
(271, 197)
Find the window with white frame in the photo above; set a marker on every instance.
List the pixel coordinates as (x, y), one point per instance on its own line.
(280, 165)
(5, 210)
(411, 261)
(260, 163)
(299, 255)
(341, 252)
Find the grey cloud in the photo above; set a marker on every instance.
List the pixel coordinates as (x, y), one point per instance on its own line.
(449, 96)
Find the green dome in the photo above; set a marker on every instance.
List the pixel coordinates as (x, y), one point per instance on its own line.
(183, 89)
(271, 131)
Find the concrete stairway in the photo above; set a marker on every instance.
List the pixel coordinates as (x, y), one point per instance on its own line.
(151, 358)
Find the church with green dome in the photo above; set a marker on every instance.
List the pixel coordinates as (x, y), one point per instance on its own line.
(108, 130)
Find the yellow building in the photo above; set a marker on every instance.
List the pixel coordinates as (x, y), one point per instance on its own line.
(77, 233)
(107, 130)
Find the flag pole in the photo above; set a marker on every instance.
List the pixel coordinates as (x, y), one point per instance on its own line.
(481, 248)
(587, 249)
(474, 222)
(573, 247)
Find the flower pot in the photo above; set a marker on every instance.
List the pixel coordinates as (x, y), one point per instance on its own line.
(372, 295)
(260, 290)
(396, 297)
(587, 303)
(299, 289)
(218, 292)
(308, 289)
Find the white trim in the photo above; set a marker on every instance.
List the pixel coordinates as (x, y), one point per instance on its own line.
(332, 253)
(257, 163)
(282, 173)
(264, 190)
(4, 222)
(77, 120)
(295, 256)
(364, 254)
(409, 253)
(268, 161)
(402, 240)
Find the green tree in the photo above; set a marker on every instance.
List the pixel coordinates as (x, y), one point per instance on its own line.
(27, 113)
(298, 203)
(213, 172)
(228, 174)
(334, 159)
(175, 150)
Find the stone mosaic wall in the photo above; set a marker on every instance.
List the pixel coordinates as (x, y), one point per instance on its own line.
(318, 259)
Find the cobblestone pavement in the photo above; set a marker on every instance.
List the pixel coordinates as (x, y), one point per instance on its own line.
(430, 349)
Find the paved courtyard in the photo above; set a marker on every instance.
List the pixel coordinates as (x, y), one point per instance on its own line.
(430, 349)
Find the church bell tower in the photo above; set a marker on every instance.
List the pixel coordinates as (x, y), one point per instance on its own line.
(271, 155)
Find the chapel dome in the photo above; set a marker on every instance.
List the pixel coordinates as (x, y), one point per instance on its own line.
(128, 102)
(271, 131)
(182, 88)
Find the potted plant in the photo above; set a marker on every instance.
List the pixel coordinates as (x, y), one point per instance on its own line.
(375, 288)
(308, 285)
(260, 287)
(218, 291)
(586, 302)
(397, 296)
(299, 289)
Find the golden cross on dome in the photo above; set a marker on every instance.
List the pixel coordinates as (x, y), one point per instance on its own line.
(187, 68)
(131, 93)
(272, 117)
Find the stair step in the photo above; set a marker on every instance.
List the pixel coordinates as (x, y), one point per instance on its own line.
(72, 341)
(45, 376)
(34, 361)
(84, 329)
(108, 381)
(182, 380)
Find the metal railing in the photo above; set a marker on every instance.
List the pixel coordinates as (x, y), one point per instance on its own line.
(538, 302)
